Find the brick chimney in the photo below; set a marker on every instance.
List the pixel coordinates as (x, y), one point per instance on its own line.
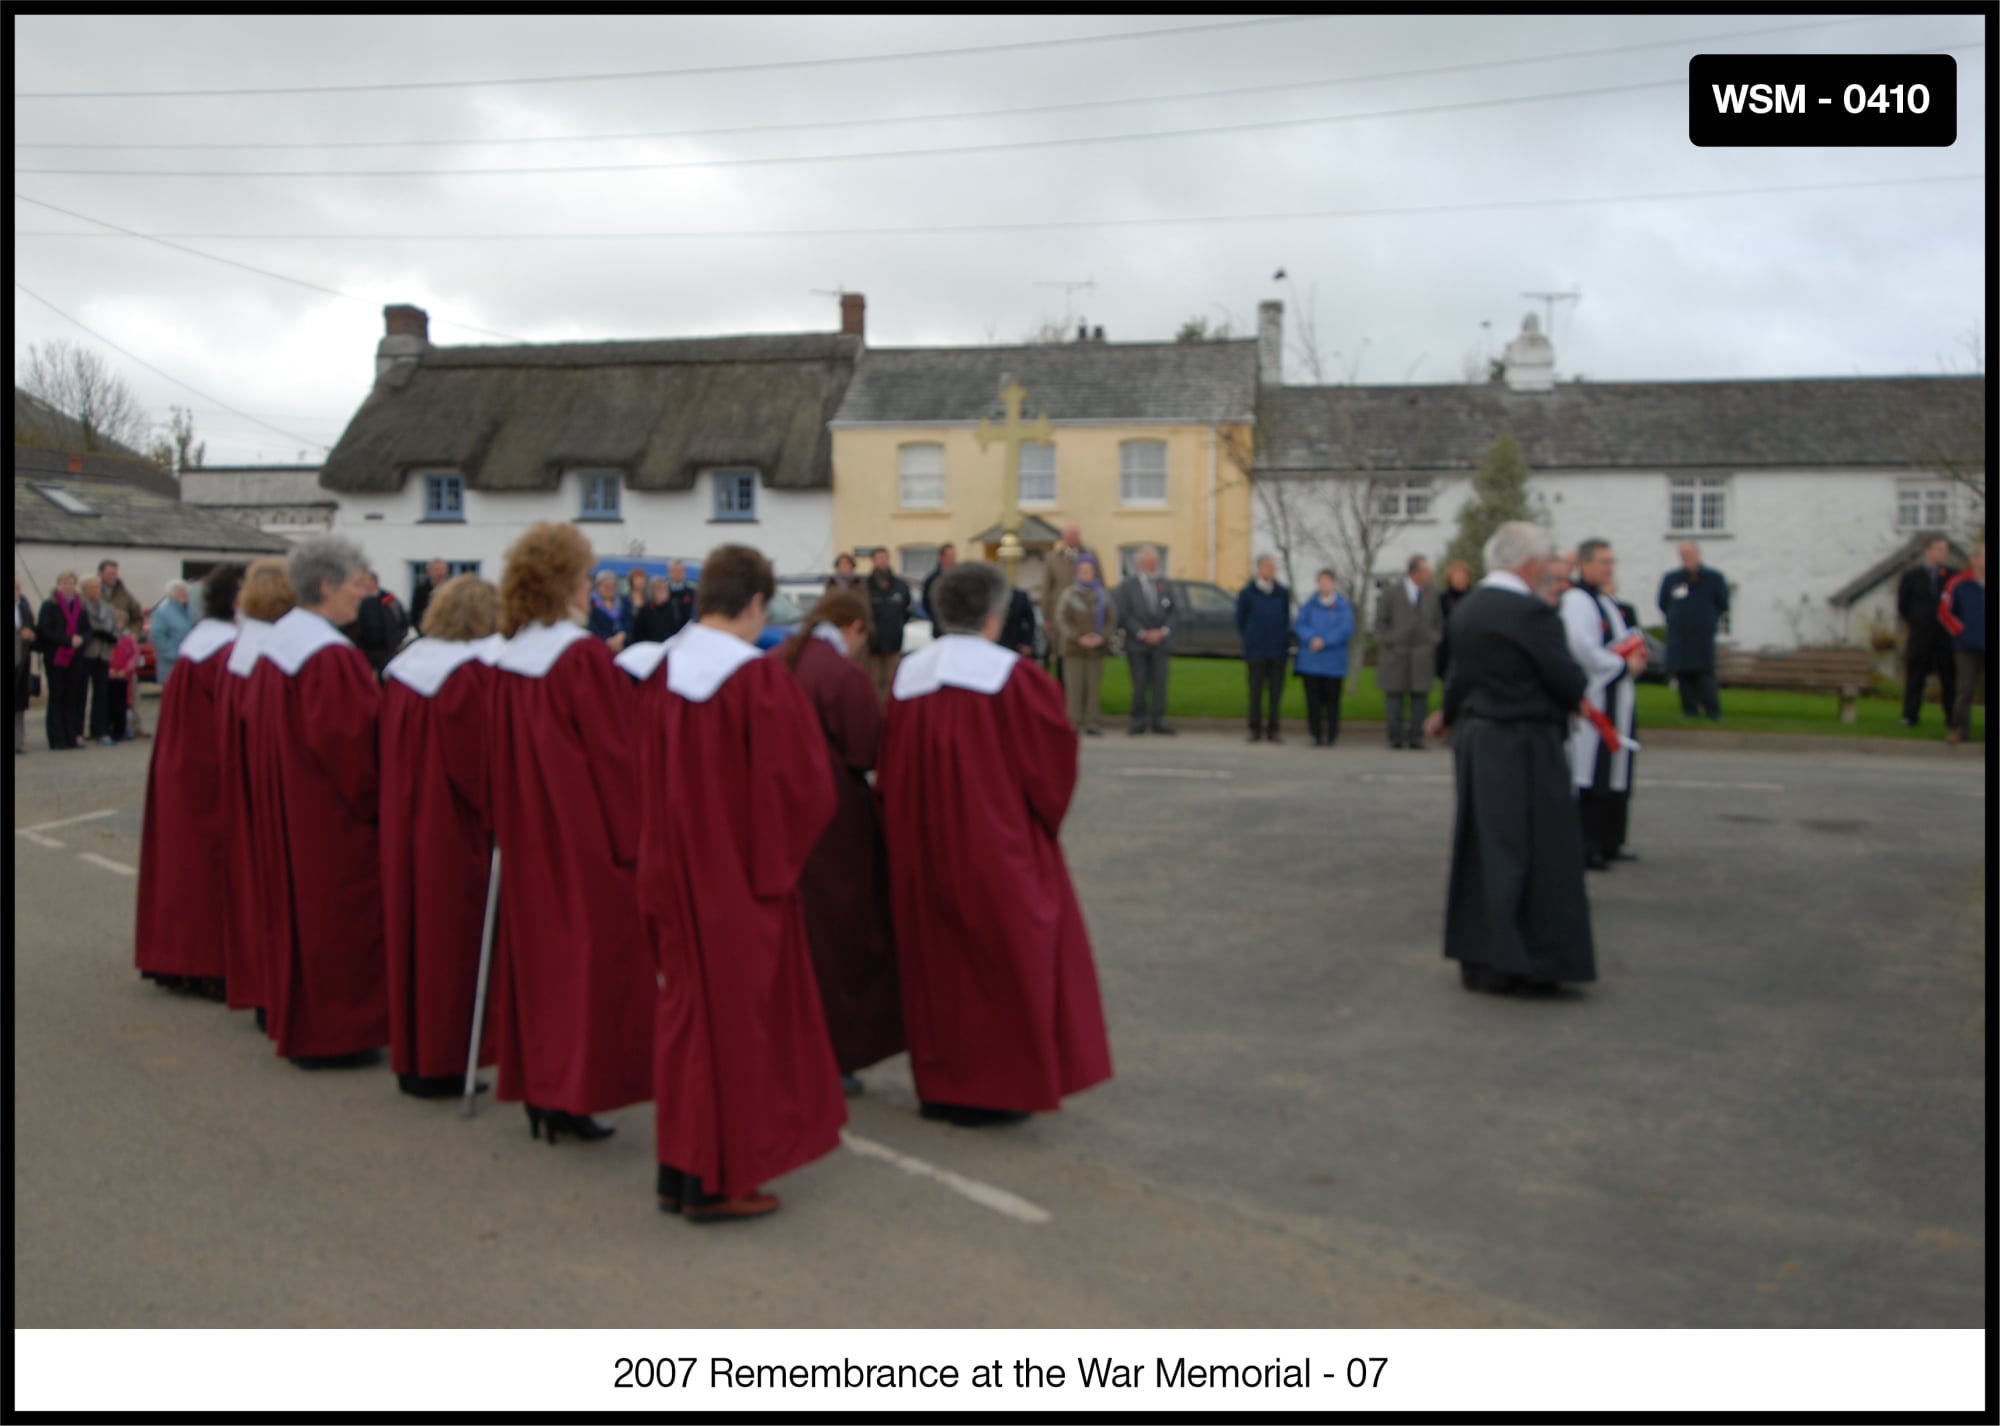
(1270, 344)
(1530, 359)
(406, 336)
(853, 315)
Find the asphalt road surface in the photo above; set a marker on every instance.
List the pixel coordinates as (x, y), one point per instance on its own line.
(1768, 1112)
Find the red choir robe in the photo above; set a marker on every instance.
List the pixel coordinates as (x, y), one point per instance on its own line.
(734, 793)
(185, 831)
(571, 988)
(1000, 995)
(243, 976)
(313, 711)
(436, 850)
(845, 887)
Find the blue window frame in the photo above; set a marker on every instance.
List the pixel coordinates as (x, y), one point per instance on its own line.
(736, 495)
(444, 497)
(600, 495)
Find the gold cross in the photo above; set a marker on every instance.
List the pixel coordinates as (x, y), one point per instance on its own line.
(1012, 433)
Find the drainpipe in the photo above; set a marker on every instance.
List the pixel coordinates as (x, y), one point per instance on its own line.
(1211, 504)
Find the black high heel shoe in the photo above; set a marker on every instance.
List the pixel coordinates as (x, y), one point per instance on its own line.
(559, 1122)
(535, 1122)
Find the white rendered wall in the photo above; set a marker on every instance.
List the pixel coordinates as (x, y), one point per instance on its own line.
(793, 529)
(145, 572)
(1790, 534)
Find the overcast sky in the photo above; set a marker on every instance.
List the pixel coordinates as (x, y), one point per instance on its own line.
(1850, 280)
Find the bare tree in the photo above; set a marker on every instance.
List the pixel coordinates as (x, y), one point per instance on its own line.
(76, 382)
(180, 451)
(1954, 443)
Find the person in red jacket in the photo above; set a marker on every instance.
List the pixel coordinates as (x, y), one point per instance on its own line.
(1962, 614)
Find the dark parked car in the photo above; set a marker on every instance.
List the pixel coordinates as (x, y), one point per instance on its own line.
(1205, 626)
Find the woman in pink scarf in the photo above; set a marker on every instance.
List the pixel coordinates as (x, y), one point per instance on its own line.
(59, 633)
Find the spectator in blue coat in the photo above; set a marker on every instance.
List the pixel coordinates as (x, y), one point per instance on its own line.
(168, 624)
(1323, 628)
(1962, 613)
(1695, 600)
(1264, 619)
(608, 618)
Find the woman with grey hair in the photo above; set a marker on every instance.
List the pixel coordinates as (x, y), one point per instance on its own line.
(312, 710)
(170, 622)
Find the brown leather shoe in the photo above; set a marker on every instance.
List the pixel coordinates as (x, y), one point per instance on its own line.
(729, 1210)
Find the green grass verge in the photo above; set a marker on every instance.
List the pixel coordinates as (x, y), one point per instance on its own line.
(1215, 688)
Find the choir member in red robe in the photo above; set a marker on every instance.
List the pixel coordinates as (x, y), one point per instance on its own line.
(266, 598)
(313, 712)
(572, 981)
(845, 888)
(734, 792)
(978, 763)
(181, 847)
(436, 849)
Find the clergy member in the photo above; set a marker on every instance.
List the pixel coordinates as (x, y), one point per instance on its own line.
(1603, 778)
(1000, 994)
(734, 792)
(571, 987)
(185, 833)
(313, 712)
(436, 850)
(1515, 917)
(266, 598)
(845, 887)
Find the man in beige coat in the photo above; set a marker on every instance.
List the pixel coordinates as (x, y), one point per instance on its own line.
(1058, 574)
(1409, 621)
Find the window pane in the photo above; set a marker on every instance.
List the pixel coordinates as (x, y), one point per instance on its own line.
(1038, 474)
(1417, 499)
(1210, 600)
(1142, 473)
(922, 475)
(1680, 514)
(1909, 508)
(917, 560)
(1711, 510)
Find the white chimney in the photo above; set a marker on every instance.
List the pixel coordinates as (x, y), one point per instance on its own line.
(1271, 343)
(1530, 359)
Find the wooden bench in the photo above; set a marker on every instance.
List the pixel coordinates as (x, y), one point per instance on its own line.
(1846, 673)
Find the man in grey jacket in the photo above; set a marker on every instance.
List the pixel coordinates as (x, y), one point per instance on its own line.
(1409, 621)
(1145, 610)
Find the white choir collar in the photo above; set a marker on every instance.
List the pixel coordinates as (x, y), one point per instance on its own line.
(827, 634)
(1508, 580)
(428, 664)
(704, 659)
(250, 641)
(642, 661)
(955, 661)
(206, 638)
(297, 637)
(534, 649)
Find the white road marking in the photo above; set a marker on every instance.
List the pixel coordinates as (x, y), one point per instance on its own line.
(65, 822)
(39, 840)
(1174, 772)
(1723, 786)
(1405, 777)
(984, 1194)
(107, 863)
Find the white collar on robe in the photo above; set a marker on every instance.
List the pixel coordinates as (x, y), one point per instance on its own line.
(1508, 580)
(704, 659)
(206, 638)
(642, 661)
(955, 661)
(297, 637)
(827, 634)
(428, 664)
(534, 649)
(250, 640)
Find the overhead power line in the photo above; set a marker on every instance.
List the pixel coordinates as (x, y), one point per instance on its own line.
(764, 67)
(930, 229)
(1068, 141)
(232, 262)
(1068, 107)
(19, 286)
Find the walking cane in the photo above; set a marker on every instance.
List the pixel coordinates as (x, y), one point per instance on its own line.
(479, 995)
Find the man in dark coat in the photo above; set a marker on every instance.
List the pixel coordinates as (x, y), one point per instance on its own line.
(1694, 599)
(1516, 917)
(680, 597)
(1145, 608)
(435, 574)
(947, 557)
(1264, 619)
(889, 601)
(1928, 649)
(1018, 633)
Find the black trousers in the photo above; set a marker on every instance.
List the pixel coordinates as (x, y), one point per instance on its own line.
(1265, 673)
(1421, 707)
(1148, 663)
(1603, 818)
(1322, 705)
(1920, 662)
(98, 673)
(1699, 694)
(117, 691)
(67, 691)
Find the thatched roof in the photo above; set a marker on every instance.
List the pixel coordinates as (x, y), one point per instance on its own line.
(514, 418)
(1201, 383)
(124, 516)
(1834, 422)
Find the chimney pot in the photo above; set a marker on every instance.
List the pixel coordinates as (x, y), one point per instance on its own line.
(403, 320)
(1271, 343)
(1530, 360)
(853, 314)
(406, 337)
(1097, 334)
(1083, 331)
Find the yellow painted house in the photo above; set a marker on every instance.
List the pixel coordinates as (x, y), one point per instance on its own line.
(1151, 445)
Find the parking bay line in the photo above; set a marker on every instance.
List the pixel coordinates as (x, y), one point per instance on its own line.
(1644, 783)
(1175, 772)
(984, 1194)
(65, 822)
(107, 863)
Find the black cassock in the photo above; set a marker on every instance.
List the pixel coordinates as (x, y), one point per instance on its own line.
(1516, 906)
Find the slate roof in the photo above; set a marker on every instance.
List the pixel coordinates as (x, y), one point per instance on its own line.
(128, 518)
(133, 470)
(58, 430)
(1201, 383)
(1857, 421)
(513, 418)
